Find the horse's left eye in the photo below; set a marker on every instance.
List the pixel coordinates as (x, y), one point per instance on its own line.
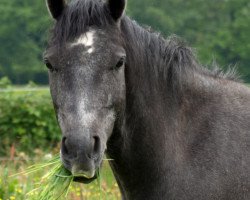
(120, 63)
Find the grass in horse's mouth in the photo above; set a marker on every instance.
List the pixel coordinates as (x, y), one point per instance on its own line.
(56, 182)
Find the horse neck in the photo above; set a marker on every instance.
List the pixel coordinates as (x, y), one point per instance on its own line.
(164, 87)
(139, 146)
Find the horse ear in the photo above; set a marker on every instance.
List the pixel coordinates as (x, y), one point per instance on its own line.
(56, 7)
(116, 8)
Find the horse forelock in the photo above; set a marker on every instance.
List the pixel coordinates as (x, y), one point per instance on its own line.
(77, 18)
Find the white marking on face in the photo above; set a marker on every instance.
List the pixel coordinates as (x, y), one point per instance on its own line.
(85, 116)
(89, 117)
(91, 50)
(87, 39)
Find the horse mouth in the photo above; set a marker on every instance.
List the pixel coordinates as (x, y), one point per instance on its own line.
(84, 180)
(80, 177)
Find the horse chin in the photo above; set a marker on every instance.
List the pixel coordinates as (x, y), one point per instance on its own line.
(84, 180)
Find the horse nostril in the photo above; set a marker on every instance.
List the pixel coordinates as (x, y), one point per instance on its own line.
(96, 147)
(96, 144)
(64, 148)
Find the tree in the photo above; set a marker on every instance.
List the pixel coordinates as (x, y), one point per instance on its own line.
(22, 38)
(216, 29)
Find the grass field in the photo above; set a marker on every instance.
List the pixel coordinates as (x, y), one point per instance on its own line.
(18, 187)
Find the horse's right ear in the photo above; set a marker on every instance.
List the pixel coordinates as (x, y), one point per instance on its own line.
(55, 7)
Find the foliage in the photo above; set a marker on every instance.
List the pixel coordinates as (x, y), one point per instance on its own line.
(216, 29)
(31, 84)
(5, 82)
(23, 33)
(27, 120)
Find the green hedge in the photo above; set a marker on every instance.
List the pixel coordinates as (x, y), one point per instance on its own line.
(27, 120)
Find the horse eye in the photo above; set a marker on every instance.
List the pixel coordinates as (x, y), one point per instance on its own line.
(120, 63)
(49, 66)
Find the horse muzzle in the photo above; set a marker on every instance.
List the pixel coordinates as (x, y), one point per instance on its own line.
(81, 156)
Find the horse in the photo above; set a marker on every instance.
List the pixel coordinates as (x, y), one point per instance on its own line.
(173, 128)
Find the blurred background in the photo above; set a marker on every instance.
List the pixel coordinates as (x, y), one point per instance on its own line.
(218, 30)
